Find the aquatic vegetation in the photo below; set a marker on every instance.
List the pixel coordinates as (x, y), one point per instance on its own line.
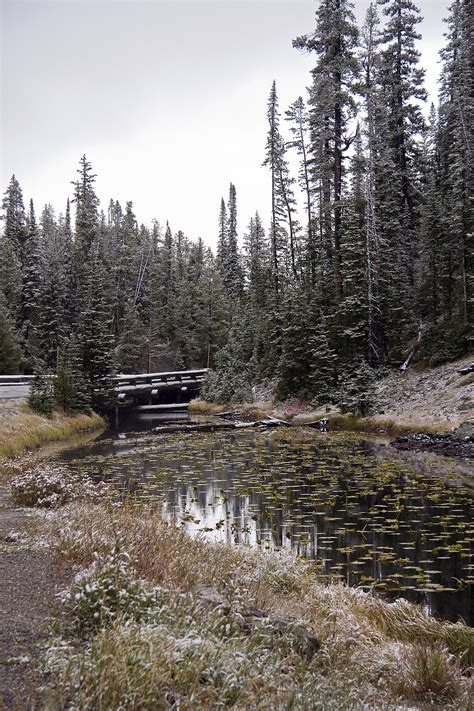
(365, 513)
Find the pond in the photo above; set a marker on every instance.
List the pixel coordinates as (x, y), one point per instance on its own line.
(369, 515)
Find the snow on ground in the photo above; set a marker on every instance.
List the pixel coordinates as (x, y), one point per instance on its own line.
(440, 396)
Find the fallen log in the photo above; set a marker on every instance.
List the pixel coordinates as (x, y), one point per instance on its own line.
(216, 426)
(276, 421)
(229, 413)
(195, 427)
(305, 643)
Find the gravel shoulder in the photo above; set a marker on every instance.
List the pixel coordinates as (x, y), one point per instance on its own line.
(28, 584)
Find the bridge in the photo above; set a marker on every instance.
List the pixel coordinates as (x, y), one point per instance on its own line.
(154, 391)
(144, 391)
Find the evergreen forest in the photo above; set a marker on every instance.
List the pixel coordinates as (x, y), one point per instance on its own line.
(366, 263)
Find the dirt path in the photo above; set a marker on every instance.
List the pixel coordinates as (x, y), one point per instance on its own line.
(28, 583)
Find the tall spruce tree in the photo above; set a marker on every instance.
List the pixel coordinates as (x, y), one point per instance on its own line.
(456, 141)
(31, 283)
(370, 64)
(15, 229)
(334, 41)
(298, 116)
(10, 351)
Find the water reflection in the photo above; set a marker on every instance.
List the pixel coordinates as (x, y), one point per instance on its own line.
(360, 509)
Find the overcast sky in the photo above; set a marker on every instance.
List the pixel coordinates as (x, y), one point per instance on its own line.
(166, 97)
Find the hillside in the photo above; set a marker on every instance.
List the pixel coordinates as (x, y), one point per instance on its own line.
(439, 397)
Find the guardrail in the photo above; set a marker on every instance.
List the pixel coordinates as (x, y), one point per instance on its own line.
(16, 379)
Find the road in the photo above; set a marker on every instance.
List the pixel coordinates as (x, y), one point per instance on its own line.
(10, 392)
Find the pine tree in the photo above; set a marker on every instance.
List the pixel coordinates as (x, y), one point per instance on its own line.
(351, 318)
(15, 230)
(222, 240)
(94, 336)
(356, 388)
(298, 117)
(294, 364)
(334, 41)
(10, 278)
(456, 140)
(133, 340)
(370, 62)
(401, 79)
(41, 397)
(87, 216)
(31, 284)
(431, 247)
(322, 358)
(51, 297)
(233, 273)
(272, 160)
(10, 351)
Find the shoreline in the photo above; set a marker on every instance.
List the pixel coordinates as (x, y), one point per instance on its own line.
(223, 595)
(22, 429)
(337, 421)
(368, 643)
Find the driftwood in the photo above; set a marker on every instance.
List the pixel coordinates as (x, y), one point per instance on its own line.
(237, 425)
(195, 427)
(306, 644)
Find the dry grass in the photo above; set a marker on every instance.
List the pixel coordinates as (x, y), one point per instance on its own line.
(202, 407)
(428, 672)
(375, 655)
(337, 420)
(376, 424)
(255, 411)
(28, 430)
(380, 424)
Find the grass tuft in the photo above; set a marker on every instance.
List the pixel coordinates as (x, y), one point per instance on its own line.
(429, 672)
(27, 430)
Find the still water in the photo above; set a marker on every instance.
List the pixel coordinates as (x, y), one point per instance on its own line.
(376, 518)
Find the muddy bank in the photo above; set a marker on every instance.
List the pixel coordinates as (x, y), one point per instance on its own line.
(458, 443)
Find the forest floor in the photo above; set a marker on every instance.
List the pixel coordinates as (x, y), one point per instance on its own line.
(438, 397)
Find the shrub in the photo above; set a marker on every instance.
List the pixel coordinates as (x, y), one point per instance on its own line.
(108, 590)
(47, 485)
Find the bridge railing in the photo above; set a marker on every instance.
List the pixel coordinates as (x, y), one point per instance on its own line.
(157, 379)
(16, 379)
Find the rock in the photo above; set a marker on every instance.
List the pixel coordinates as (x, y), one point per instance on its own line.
(465, 431)
(459, 443)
